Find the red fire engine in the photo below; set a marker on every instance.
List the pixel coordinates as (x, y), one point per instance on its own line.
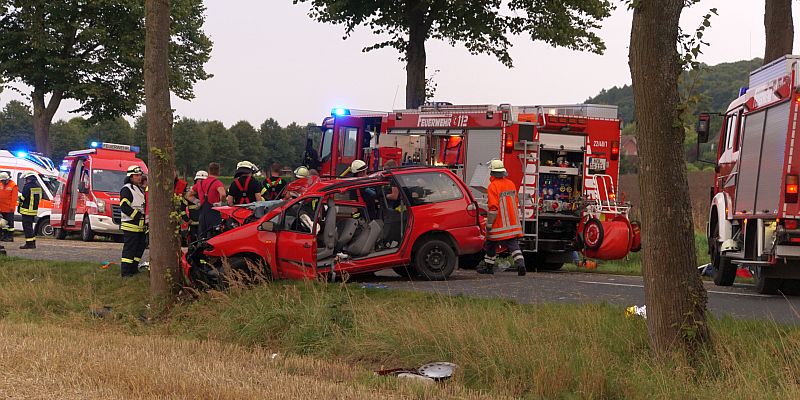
(565, 160)
(754, 212)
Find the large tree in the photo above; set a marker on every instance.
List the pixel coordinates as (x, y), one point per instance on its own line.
(675, 296)
(93, 51)
(481, 26)
(779, 27)
(164, 245)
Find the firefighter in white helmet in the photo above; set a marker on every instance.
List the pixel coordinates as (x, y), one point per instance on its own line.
(503, 223)
(132, 207)
(244, 189)
(358, 168)
(29, 199)
(301, 172)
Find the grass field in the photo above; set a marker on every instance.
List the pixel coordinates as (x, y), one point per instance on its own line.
(332, 335)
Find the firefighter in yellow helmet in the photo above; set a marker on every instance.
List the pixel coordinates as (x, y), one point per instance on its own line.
(132, 206)
(503, 223)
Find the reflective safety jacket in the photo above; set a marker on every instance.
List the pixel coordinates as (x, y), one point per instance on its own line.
(132, 203)
(503, 218)
(9, 194)
(29, 198)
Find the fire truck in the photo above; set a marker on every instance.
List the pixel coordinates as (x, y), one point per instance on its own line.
(88, 201)
(754, 210)
(564, 159)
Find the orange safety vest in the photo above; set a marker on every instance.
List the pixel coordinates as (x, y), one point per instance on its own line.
(503, 210)
(8, 196)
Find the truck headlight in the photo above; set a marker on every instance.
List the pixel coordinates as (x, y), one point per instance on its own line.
(101, 206)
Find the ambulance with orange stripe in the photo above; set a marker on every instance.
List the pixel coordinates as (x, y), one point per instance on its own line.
(16, 163)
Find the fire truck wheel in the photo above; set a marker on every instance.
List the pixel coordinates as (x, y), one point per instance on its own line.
(406, 271)
(435, 260)
(593, 234)
(765, 285)
(723, 270)
(87, 235)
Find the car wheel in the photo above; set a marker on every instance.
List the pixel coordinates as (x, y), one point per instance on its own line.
(435, 260)
(766, 285)
(60, 234)
(43, 228)
(724, 271)
(406, 271)
(87, 235)
(247, 271)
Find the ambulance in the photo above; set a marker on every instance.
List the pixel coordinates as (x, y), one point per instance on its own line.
(88, 200)
(16, 163)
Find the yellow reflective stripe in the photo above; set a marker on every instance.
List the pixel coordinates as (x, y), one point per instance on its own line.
(134, 213)
(131, 227)
(30, 239)
(137, 259)
(123, 201)
(126, 260)
(25, 211)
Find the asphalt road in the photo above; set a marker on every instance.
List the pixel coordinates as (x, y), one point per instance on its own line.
(739, 301)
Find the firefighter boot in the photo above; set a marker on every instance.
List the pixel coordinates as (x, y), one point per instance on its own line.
(485, 268)
(8, 235)
(29, 244)
(521, 270)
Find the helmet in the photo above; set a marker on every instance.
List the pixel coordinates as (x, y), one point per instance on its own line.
(135, 170)
(301, 172)
(496, 166)
(28, 174)
(358, 166)
(201, 175)
(246, 167)
(4, 176)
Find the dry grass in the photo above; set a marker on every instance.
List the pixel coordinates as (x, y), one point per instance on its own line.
(38, 362)
(699, 184)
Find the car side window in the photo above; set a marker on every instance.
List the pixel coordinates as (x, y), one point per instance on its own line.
(300, 216)
(429, 188)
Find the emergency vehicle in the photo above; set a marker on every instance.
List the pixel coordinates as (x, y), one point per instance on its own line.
(18, 162)
(564, 159)
(88, 201)
(754, 211)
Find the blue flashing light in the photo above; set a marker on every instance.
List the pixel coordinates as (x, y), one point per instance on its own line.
(95, 145)
(135, 149)
(340, 112)
(63, 168)
(743, 91)
(22, 154)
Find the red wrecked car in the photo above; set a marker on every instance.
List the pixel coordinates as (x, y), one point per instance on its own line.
(416, 220)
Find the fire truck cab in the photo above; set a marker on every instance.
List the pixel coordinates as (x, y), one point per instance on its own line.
(564, 159)
(15, 163)
(754, 211)
(88, 201)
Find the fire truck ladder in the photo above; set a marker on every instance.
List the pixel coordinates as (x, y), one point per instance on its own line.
(529, 199)
(604, 194)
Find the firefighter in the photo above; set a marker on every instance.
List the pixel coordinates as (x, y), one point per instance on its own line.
(8, 201)
(273, 184)
(132, 207)
(244, 189)
(207, 194)
(192, 214)
(29, 207)
(357, 168)
(502, 226)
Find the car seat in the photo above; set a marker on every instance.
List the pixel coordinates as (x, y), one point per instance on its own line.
(347, 229)
(364, 243)
(328, 232)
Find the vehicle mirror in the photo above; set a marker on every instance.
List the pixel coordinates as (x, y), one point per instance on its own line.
(82, 188)
(702, 127)
(267, 226)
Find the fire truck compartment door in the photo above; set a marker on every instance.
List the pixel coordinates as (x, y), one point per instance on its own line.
(763, 149)
(77, 173)
(554, 141)
(483, 145)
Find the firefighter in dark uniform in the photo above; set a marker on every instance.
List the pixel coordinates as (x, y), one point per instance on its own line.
(132, 205)
(29, 207)
(192, 215)
(273, 184)
(244, 189)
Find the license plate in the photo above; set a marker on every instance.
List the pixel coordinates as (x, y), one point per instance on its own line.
(597, 164)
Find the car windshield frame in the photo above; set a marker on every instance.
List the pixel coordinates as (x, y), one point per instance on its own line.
(107, 187)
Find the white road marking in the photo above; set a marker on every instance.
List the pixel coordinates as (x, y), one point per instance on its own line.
(709, 291)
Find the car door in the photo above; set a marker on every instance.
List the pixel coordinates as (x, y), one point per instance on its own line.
(296, 240)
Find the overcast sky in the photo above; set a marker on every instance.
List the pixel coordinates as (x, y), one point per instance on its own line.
(271, 60)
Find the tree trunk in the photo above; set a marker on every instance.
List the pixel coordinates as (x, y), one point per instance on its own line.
(43, 118)
(416, 58)
(674, 294)
(164, 246)
(779, 28)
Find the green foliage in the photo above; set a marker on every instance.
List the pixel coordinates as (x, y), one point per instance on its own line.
(192, 149)
(481, 26)
(93, 51)
(140, 135)
(16, 126)
(69, 135)
(251, 147)
(116, 130)
(224, 144)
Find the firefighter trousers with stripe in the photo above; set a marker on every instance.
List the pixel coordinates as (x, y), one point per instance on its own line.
(8, 231)
(133, 247)
(511, 244)
(27, 227)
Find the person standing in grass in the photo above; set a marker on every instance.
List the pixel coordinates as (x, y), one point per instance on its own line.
(132, 207)
(207, 194)
(29, 200)
(8, 201)
(502, 225)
